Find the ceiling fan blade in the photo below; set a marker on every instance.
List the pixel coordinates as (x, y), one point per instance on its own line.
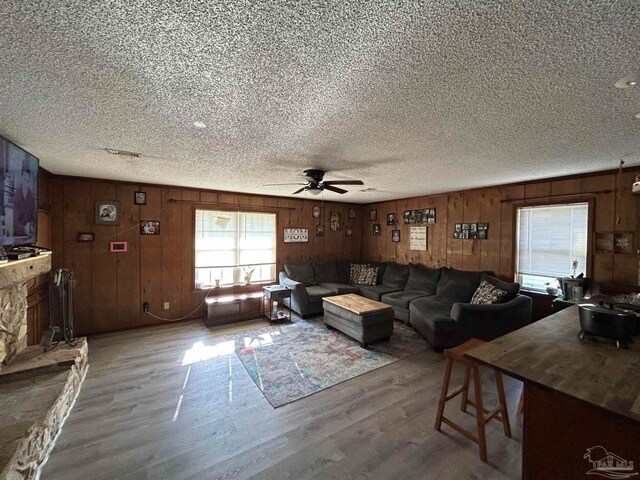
(280, 184)
(343, 182)
(334, 189)
(298, 191)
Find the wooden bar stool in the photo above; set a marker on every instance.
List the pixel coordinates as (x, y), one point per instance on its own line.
(482, 414)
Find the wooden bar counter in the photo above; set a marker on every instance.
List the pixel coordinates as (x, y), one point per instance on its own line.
(578, 395)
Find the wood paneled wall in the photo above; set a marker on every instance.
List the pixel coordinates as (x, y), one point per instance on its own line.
(111, 287)
(497, 253)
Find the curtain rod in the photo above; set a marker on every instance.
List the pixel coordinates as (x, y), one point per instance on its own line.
(585, 194)
(234, 205)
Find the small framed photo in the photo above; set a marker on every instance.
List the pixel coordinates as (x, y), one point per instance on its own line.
(377, 229)
(483, 226)
(395, 236)
(348, 231)
(412, 216)
(473, 227)
(482, 234)
(118, 246)
(316, 212)
(406, 216)
(458, 227)
(140, 198)
(465, 226)
(473, 235)
(373, 215)
(351, 213)
(465, 234)
(149, 227)
(418, 215)
(457, 234)
(391, 218)
(319, 230)
(107, 212)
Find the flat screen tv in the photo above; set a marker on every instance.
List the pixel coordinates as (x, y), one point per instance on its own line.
(19, 184)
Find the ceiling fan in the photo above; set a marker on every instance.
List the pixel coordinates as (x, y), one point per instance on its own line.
(315, 183)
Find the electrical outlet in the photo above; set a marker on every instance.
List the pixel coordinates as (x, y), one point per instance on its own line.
(166, 305)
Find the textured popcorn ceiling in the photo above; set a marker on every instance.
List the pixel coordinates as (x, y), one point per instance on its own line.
(411, 97)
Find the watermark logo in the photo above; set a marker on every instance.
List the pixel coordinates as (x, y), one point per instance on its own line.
(608, 464)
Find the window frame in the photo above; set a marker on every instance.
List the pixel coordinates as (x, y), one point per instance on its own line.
(566, 200)
(242, 209)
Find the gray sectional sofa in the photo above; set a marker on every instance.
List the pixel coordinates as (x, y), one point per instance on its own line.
(434, 301)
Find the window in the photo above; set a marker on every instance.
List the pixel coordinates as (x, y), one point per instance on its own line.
(228, 244)
(550, 238)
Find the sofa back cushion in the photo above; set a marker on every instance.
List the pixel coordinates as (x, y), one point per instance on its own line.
(325, 272)
(395, 275)
(512, 289)
(457, 285)
(423, 279)
(343, 268)
(300, 272)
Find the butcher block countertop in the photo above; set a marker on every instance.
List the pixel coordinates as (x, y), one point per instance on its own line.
(549, 354)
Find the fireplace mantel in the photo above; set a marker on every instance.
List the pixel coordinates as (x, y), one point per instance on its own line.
(14, 276)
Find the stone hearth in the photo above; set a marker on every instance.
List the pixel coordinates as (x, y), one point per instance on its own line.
(13, 301)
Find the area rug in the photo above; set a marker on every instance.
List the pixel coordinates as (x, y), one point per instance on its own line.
(291, 361)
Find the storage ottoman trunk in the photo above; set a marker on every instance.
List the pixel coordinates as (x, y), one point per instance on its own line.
(360, 318)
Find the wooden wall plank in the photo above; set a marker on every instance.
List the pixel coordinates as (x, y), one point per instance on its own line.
(455, 214)
(472, 214)
(151, 257)
(491, 213)
(171, 237)
(128, 263)
(104, 274)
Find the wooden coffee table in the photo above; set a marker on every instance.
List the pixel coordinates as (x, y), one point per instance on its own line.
(360, 318)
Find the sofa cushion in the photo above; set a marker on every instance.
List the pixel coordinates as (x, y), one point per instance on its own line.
(433, 313)
(316, 292)
(457, 285)
(487, 293)
(300, 272)
(325, 272)
(402, 299)
(375, 292)
(396, 275)
(423, 279)
(343, 269)
(512, 289)
(341, 288)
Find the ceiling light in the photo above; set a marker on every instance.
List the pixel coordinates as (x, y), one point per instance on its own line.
(199, 124)
(314, 191)
(628, 81)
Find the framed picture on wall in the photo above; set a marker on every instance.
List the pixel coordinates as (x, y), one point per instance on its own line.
(377, 229)
(140, 198)
(316, 212)
(149, 227)
(107, 212)
(348, 231)
(395, 236)
(406, 216)
(319, 230)
(373, 215)
(391, 218)
(351, 213)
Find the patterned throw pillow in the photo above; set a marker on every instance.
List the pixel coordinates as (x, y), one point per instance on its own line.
(355, 272)
(487, 293)
(368, 276)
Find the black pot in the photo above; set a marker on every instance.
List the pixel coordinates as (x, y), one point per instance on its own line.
(607, 322)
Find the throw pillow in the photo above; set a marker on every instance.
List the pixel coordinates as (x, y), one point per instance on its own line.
(487, 293)
(355, 270)
(368, 276)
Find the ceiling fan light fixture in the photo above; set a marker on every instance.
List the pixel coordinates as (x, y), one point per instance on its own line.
(314, 190)
(628, 81)
(199, 124)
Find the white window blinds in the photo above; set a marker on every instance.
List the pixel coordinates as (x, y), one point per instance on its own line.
(549, 239)
(229, 244)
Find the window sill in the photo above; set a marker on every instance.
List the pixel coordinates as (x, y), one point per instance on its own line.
(240, 287)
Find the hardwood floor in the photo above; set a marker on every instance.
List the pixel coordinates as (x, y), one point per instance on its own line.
(143, 414)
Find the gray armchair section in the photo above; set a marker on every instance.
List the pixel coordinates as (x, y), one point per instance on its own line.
(445, 325)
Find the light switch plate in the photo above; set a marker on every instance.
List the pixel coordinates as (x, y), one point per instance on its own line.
(166, 305)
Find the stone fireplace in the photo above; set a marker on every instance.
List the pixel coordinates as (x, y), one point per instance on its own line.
(13, 300)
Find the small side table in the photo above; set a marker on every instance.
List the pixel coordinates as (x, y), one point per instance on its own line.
(273, 304)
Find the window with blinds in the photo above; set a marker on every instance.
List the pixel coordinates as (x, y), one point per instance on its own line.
(229, 244)
(549, 239)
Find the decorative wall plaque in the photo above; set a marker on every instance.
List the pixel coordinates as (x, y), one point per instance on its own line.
(418, 238)
(296, 235)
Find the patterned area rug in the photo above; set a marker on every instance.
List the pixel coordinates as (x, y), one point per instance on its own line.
(291, 361)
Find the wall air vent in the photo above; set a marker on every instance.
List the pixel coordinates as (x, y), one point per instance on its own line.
(125, 153)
